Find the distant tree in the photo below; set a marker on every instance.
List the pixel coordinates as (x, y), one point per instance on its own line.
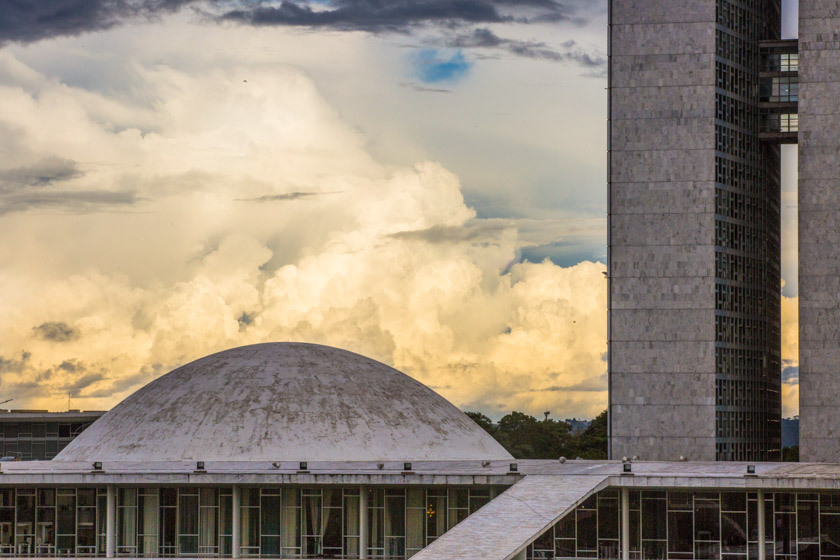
(525, 437)
(589, 444)
(790, 454)
(482, 421)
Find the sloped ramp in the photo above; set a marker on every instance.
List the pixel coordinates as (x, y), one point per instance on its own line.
(510, 522)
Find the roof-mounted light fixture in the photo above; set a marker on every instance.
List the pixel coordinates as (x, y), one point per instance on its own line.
(514, 467)
(303, 467)
(751, 470)
(199, 467)
(97, 466)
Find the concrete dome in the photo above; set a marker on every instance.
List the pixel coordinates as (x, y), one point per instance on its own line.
(284, 402)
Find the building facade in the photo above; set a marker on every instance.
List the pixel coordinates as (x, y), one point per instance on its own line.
(702, 94)
(819, 235)
(303, 451)
(39, 435)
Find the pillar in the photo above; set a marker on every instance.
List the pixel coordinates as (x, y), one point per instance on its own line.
(111, 522)
(236, 502)
(762, 546)
(625, 524)
(363, 522)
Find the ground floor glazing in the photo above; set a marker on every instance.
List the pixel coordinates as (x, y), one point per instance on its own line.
(679, 525)
(273, 522)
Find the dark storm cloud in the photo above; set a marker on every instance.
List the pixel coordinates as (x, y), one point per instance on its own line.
(73, 201)
(571, 52)
(25, 21)
(56, 332)
(401, 16)
(43, 173)
(452, 16)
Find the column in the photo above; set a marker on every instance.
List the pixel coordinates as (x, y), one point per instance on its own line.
(363, 522)
(625, 524)
(111, 522)
(762, 546)
(236, 502)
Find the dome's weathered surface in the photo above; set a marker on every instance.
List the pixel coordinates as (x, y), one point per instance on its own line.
(284, 401)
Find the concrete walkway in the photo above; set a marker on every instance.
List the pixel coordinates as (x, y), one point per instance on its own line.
(505, 526)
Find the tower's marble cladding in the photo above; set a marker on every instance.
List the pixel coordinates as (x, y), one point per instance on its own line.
(662, 229)
(819, 230)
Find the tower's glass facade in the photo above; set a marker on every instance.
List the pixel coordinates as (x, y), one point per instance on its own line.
(747, 246)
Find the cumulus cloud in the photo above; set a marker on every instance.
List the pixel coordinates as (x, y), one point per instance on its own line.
(392, 264)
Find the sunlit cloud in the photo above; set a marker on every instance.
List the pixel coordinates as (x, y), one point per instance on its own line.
(255, 213)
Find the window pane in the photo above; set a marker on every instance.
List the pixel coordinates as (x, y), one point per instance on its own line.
(608, 518)
(272, 514)
(830, 535)
(785, 530)
(680, 532)
(707, 551)
(394, 517)
(587, 530)
(808, 524)
(653, 519)
(332, 529)
(706, 520)
(436, 516)
(188, 514)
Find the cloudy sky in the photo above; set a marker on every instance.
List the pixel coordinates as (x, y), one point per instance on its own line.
(420, 181)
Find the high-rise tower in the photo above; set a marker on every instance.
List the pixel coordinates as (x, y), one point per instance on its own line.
(694, 228)
(819, 230)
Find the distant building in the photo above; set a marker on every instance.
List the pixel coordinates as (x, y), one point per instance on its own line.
(790, 431)
(38, 435)
(577, 425)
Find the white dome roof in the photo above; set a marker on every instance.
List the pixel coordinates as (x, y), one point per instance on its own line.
(284, 402)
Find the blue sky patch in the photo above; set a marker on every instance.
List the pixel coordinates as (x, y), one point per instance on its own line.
(432, 66)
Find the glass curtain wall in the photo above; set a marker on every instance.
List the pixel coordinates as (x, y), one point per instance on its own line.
(697, 526)
(276, 522)
(747, 238)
